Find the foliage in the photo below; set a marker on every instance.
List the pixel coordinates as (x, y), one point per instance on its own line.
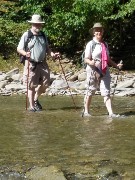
(68, 21)
(9, 34)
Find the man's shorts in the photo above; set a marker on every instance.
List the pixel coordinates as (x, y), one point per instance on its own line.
(92, 84)
(39, 74)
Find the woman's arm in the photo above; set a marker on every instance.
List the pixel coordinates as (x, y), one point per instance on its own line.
(112, 63)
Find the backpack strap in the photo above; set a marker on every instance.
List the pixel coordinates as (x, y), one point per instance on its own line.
(83, 54)
(93, 46)
(44, 36)
(30, 34)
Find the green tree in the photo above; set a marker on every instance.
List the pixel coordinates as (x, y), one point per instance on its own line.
(68, 21)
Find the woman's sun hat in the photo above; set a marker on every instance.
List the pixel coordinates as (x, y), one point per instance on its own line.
(36, 18)
(96, 25)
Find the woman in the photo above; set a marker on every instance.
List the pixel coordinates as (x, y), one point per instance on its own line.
(98, 75)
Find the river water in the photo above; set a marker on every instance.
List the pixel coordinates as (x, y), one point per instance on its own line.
(83, 148)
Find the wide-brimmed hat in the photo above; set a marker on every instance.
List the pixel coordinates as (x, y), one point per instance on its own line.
(36, 18)
(96, 25)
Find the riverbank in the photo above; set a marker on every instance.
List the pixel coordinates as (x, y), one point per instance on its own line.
(122, 83)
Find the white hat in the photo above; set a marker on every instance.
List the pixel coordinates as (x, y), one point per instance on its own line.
(97, 25)
(36, 19)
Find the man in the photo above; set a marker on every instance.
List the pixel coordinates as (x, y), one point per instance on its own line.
(36, 72)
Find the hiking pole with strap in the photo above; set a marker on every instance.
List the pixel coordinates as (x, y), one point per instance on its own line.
(116, 81)
(67, 83)
(27, 82)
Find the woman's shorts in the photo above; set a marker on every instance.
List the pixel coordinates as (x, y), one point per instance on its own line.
(92, 84)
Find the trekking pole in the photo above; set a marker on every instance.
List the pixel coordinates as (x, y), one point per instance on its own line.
(116, 81)
(67, 83)
(27, 82)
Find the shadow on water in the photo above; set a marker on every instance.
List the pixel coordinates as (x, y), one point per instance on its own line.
(130, 113)
(83, 148)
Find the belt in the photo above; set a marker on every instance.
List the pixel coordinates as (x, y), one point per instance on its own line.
(34, 64)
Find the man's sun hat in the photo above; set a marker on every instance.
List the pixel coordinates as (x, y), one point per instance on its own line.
(36, 18)
(97, 25)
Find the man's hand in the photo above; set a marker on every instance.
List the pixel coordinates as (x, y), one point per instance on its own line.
(27, 54)
(55, 55)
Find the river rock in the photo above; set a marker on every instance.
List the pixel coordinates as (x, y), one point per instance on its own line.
(130, 92)
(3, 83)
(3, 77)
(16, 77)
(12, 72)
(73, 77)
(126, 83)
(82, 86)
(54, 76)
(59, 84)
(82, 76)
(45, 173)
(121, 85)
(14, 87)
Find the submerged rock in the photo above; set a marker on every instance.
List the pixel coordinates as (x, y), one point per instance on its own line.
(45, 173)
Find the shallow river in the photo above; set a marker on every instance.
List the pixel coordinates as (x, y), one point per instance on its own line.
(88, 149)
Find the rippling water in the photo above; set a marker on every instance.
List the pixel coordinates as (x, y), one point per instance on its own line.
(94, 148)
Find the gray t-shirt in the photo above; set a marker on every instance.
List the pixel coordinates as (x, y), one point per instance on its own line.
(37, 46)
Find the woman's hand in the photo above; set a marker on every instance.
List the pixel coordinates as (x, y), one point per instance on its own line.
(120, 65)
(92, 62)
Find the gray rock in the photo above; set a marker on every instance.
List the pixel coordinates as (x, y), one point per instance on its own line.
(12, 72)
(82, 76)
(4, 92)
(73, 77)
(3, 77)
(59, 84)
(82, 86)
(123, 89)
(130, 92)
(14, 87)
(45, 173)
(3, 83)
(126, 84)
(16, 77)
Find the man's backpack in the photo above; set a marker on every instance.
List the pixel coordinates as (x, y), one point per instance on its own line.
(30, 35)
(83, 54)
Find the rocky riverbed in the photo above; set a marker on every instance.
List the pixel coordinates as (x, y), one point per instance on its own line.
(83, 160)
(121, 85)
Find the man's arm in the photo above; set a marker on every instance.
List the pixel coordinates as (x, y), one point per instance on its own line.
(21, 46)
(51, 53)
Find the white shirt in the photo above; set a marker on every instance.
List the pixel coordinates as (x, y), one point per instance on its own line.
(96, 54)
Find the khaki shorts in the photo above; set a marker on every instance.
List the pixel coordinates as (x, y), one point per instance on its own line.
(92, 84)
(38, 75)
